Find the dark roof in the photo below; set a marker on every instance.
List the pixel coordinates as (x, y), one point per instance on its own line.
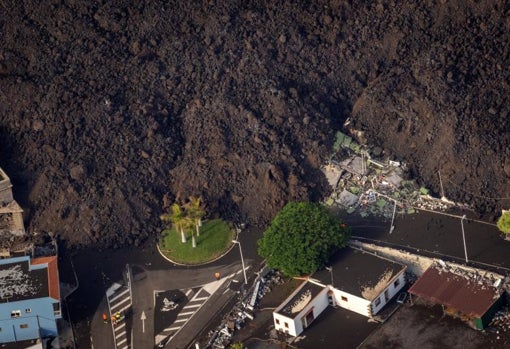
(357, 272)
(306, 292)
(17, 282)
(455, 291)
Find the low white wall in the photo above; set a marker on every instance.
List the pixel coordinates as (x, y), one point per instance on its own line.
(284, 324)
(294, 326)
(393, 288)
(353, 303)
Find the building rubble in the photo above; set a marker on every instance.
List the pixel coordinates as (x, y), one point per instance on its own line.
(242, 312)
(369, 185)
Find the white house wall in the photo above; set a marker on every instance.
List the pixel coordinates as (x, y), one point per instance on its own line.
(353, 303)
(295, 326)
(392, 291)
(280, 321)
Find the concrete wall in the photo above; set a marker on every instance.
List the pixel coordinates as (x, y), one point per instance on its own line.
(294, 326)
(5, 188)
(393, 288)
(353, 303)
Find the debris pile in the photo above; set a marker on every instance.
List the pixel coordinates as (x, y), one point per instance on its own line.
(243, 310)
(501, 320)
(372, 186)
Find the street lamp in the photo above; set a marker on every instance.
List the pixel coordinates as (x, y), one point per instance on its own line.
(242, 260)
(330, 269)
(393, 217)
(463, 236)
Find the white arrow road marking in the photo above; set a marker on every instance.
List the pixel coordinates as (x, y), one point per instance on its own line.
(143, 318)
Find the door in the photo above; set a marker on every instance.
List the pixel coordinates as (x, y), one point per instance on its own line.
(307, 319)
(386, 295)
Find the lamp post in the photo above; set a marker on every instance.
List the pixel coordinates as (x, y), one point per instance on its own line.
(242, 260)
(393, 217)
(464, 236)
(330, 269)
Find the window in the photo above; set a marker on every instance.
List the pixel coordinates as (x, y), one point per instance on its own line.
(377, 301)
(344, 299)
(16, 313)
(23, 326)
(28, 310)
(277, 321)
(56, 308)
(286, 325)
(396, 283)
(0, 329)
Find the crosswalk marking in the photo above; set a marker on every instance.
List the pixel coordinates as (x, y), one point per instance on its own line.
(194, 304)
(119, 303)
(169, 329)
(121, 310)
(119, 295)
(119, 300)
(201, 299)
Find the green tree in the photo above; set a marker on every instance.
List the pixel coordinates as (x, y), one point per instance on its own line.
(237, 345)
(301, 238)
(195, 210)
(177, 217)
(504, 222)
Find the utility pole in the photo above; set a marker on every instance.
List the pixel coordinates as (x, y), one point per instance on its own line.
(330, 269)
(464, 237)
(441, 184)
(393, 217)
(242, 260)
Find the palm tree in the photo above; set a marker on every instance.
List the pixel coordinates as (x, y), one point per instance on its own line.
(178, 218)
(189, 223)
(196, 210)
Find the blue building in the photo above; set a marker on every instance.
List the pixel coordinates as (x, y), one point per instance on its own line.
(29, 298)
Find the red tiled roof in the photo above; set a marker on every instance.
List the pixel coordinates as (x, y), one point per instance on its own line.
(455, 291)
(53, 283)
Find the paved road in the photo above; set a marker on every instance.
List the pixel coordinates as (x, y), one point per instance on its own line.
(97, 270)
(441, 235)
(147, 283)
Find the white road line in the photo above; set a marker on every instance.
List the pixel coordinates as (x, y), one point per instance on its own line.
(125, 347)
(122, 341)
(199, 299)
(119, 295)
(188, 293)
(124, 308)
(192, 306)
(122, 301)
(123, 333)
(189, 312)
(181, 320)
(171, 329)
(118, 327)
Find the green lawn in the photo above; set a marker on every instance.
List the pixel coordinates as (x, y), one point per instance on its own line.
(215, 238)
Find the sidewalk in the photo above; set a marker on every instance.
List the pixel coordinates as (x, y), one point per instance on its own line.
(440, 235)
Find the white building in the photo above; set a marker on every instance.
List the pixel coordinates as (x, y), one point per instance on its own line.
(357, 280)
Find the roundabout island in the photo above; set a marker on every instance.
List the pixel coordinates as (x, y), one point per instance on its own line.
(187, 248)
